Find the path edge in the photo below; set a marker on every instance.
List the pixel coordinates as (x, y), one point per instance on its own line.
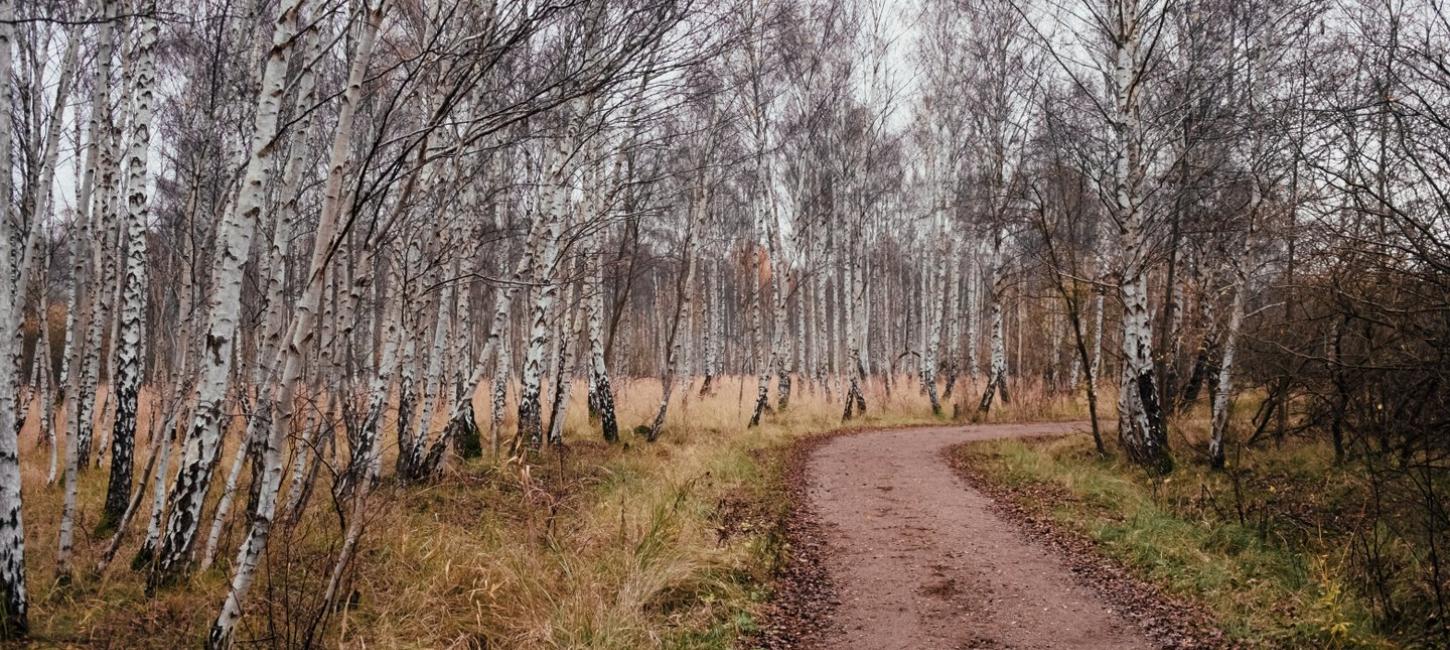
(1168, 621)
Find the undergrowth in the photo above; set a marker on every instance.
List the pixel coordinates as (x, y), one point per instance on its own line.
(1265, 546)
(633, 545)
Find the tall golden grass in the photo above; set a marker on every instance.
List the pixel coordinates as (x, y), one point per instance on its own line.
(633, 545)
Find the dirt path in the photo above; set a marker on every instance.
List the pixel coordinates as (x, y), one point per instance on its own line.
(919, 560)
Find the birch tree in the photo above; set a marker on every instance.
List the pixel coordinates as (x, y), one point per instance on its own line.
(129, 351)
(1131, 29)
(203, 439)
(12, 529)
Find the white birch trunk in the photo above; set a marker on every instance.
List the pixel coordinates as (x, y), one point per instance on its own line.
(81, 312)
(105, 136)
(1097, 335)
(950, 314)
(70, 374)
(1140, 419)
(564, 370)
(13, 597)
(601, 394)
(42, 201)
(932, 312)
(974, 310)
(757, 309)
(304, 328)
(1225, 375)
(684, 298)
(856, 369)
(997, 375)
(234, 239)
(530, 425)
(129, 352)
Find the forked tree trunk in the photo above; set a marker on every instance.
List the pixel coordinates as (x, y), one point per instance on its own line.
(530, 427)
(997, 375)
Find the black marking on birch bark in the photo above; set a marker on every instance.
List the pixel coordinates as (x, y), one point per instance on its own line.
(118, 489)
(463, 428)
(603, 399)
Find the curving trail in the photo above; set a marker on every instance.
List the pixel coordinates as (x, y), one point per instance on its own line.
(920, 561)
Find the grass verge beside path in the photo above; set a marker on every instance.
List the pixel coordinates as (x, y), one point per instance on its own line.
(1257, 550)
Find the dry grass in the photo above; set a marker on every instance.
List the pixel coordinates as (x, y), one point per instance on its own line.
(1265, 545)
(634, 545)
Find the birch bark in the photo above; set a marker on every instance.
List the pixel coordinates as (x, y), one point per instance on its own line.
(1219, 416)
(129, 350)
(234, 239)
(13, 619)
(1140, 418)
(530, 428)
(684, 298)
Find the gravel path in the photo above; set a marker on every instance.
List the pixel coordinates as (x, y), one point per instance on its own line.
(919, 560)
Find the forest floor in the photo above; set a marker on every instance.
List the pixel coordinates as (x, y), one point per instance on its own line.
(1263, 550)
(900, 552)
(671, 544)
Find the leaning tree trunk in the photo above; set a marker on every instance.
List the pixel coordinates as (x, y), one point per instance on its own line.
(40, 200)
(464, 433)
(1225, 377)
(366, 454)
(414, 462)
(684, 297)
(234, 240)
(79, 355)
(497, 348)
(564, 366)
(104, 131)
(84, 310)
